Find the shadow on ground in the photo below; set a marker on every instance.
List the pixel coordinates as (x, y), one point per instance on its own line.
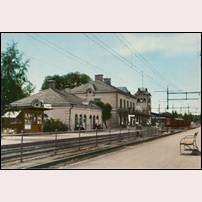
(193, 153)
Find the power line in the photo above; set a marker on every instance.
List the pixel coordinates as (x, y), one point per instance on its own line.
(140, 72)
(77, 58)
(122, 59)
(142, 58)
(56, 49)
(80, 58)
(44, 62)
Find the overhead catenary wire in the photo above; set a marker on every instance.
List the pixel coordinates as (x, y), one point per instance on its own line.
(74, 57)
(122, 59)
(144, 60)
(129, 63)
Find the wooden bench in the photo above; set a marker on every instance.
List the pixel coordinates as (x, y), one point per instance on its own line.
(189, 143)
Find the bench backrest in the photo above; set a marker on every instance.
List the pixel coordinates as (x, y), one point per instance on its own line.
(195, 135)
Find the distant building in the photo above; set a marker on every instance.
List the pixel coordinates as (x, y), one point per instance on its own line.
(143, 107)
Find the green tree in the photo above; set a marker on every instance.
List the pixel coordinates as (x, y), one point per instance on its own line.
(175, 114)
(106, 110)
(51, 124)
(14, 82)
(185, 117)
(72, 80)
(167, 113)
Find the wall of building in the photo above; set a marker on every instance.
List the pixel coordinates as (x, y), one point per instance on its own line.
(67, 115)
(59, 112)
(114, 99)
(87, 117)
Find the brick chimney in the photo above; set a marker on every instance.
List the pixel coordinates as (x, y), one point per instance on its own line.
(99, 77)
(107, 81)
(51, 84)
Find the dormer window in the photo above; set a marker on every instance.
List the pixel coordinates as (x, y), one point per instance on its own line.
(89, 91)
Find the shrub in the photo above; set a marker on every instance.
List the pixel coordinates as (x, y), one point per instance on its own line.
(51, 124)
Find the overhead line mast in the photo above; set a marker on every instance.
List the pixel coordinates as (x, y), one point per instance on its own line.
(179, 93)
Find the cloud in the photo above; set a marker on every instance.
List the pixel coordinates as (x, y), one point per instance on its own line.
(169, 44)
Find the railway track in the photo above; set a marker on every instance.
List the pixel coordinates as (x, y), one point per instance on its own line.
(50, 147)
(73, 149)
(55, 164)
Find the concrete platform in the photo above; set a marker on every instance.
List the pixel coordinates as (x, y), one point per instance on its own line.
(163, 153)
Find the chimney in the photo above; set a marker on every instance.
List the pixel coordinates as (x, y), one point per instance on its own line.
(51, 84)
(67, 89)
(107, 81)
(99, 77)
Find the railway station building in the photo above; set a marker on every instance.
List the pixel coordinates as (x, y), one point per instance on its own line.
(127, 109)
(31, 111)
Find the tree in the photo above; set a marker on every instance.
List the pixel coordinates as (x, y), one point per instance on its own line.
(50, 125)
(175, 114)
(106, 110)
(71, 79)
(14, 81)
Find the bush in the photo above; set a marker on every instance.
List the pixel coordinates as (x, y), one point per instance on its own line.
(51, 124)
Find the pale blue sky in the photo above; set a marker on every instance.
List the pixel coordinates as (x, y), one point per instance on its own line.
(164, 58)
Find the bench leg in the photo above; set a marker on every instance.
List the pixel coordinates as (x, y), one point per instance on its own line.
(195, 147)
(180, 149)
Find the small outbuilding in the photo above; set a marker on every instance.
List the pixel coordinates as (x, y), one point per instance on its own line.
(28, 118)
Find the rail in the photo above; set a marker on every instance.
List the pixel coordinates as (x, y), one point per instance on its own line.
(33, 146)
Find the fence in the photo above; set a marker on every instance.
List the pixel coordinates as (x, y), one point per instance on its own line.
(43, 144)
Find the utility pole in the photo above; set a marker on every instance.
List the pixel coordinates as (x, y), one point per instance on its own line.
(172, 92)
(142, 79)
(167, 98)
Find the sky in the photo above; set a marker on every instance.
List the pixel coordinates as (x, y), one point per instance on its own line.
(155, 61)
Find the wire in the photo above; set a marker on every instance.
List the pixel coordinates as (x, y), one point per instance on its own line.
(135, 69)
(56, 50)
(77, 58)
(142, 58)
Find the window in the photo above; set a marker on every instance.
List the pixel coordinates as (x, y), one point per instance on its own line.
(120, 103)
(76, 120)
(39, 119)
(84, 121)
(80, 119)
(17, 120)
(30, 118)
